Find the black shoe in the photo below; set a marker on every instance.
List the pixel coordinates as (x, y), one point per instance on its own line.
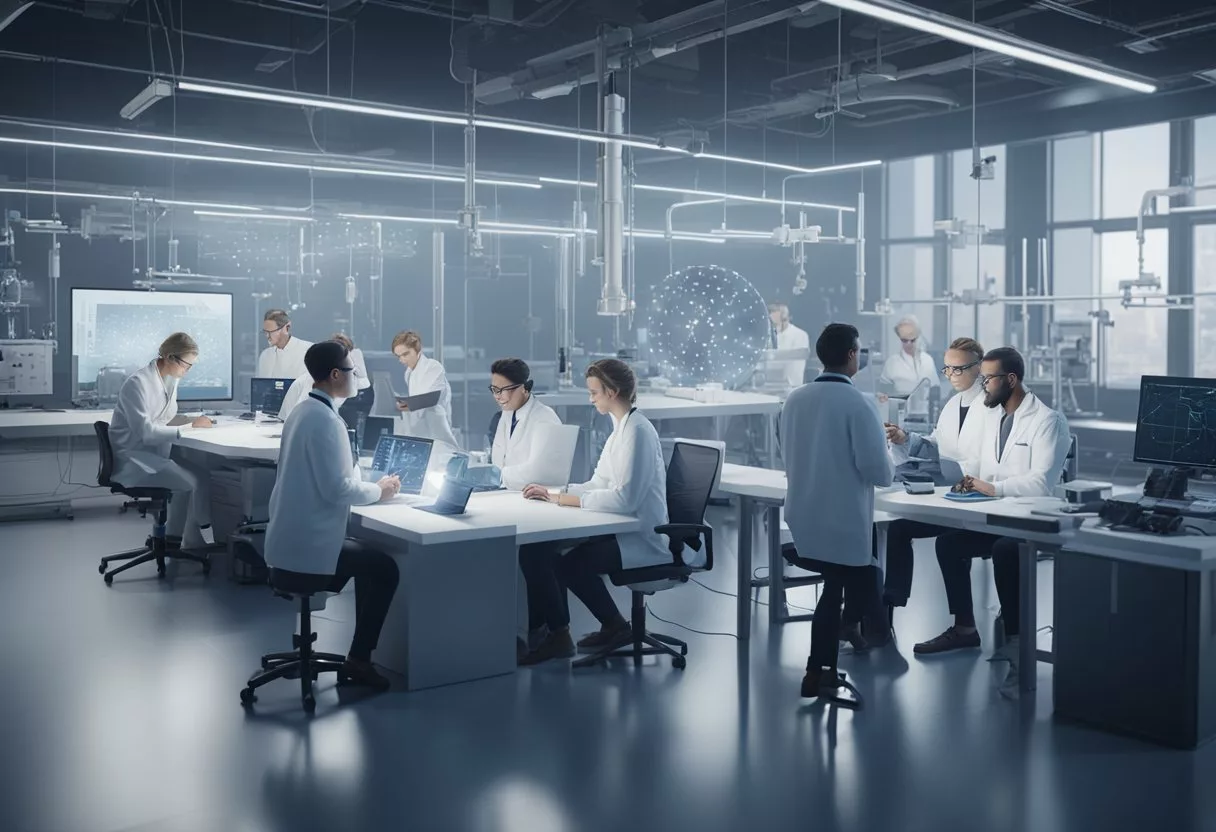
(362, 675)
(609, 634)
(852, 635)
(952, 639)
(819, 681)
(555, 646)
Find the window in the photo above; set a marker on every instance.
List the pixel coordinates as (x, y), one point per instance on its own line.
(982, 202)
(986, 322)
(1074, 190)
(910, 188)
(1205, 159)
(1134, 160)
(910, 277)
(1072, 273)
(1136, 345)
(1205, 308)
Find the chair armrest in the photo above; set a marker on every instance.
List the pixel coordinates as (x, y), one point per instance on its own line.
(680, 532)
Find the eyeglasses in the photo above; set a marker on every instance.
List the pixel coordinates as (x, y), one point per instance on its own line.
(183, 362)
(910, 340)
(498, 391)
(953, 370)
(985, 379)
(269, 332)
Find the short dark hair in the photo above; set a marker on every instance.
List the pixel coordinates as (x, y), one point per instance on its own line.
(615, 375)
(323, 358)
(514, 370)
(1010, 360)
(835, 343)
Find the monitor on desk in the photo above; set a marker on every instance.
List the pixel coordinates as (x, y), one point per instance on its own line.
(1176, 425)
(266, 394)
(407, 457)
(375, 428)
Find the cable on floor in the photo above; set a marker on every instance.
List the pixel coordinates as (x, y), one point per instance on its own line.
(658, 617)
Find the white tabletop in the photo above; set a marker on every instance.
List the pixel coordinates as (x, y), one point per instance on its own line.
(768, 485)
(983, 516)
(657, 406)
(1193, 553)
(236, 440)
(17, 424)
(494, 514)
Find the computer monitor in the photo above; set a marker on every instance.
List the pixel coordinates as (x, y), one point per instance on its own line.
(375, 427)
(117, 331)
(405, 456)
(1176, 425)
(266, 394)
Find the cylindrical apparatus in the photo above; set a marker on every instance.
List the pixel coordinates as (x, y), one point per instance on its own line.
(565, 379)
(437, 268)
(611, 239)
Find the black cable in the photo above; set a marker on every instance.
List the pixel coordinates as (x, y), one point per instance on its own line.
(654, 614)
(1195, 529)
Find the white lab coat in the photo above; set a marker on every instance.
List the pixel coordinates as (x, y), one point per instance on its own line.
(905, 372)
(793, 338)
(317, 483)
(835, 454)
(296, 393)
(949, 440)
(356, 357)
(1035, 452)
(283, 363)
(519, 453)
(432, 422)
(630, 479)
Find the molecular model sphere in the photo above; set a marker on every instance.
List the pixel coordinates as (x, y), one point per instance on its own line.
(708, 324)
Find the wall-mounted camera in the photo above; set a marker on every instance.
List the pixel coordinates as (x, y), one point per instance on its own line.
(984, 169)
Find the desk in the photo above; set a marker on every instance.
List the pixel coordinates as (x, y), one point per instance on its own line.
(236, 440)
(1010, 517)
(453, 618)
(765, 488)
(32, 424)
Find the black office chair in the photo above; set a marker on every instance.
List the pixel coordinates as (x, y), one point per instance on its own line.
(1071, 461)
(691, 475)
(303, 663)
(144, 500)
(492, 430)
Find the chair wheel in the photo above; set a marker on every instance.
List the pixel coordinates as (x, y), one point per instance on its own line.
(101, 569)
(310, 705)
(248, 697)
(679, 662)
(109, 579)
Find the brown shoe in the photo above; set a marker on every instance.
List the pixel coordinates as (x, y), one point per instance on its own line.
(605, 636)
(555, 646)
(952, 639)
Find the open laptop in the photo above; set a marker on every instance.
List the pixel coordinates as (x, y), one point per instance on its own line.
(452, 499)
(553, 466)
(407, 457)
(266, 394)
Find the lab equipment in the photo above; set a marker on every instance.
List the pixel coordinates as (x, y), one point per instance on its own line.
(25, 368)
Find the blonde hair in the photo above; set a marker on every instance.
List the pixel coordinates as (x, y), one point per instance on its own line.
(343, 339)
(177, 345)
(409, 339)
(968, 345)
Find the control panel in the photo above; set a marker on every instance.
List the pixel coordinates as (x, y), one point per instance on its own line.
(26, 367)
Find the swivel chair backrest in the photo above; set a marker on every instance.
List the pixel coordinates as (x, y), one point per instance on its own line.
(691, 475)
(105, 455)
(492, 430)
(1070, 461)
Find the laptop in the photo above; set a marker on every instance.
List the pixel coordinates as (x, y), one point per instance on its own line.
(452, 499)
(266, 394)
(407, 457)
(553, 466)
(375, 427)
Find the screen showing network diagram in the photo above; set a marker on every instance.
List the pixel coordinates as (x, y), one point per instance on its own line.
(405, 456)
(267, 394)
(1177, 422)
(117, 331)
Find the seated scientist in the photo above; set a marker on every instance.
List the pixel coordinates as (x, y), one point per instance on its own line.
(142, 441)
(317, 483)
(517, 448)
(629, 478)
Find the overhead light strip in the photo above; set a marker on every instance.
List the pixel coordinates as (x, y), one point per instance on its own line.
(991, 40)
(671, 189)
(248, 216)
(177, 203)
(528, 229)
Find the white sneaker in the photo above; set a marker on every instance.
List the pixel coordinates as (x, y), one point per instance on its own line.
(208, 535)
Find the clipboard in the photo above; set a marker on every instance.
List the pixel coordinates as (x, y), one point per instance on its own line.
(420, 402)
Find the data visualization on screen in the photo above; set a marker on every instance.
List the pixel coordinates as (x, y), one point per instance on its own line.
(406, 457)
(1177, 422)
(120, 330)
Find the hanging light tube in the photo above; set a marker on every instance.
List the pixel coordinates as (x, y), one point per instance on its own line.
(176, 203)
(992, 40)
(247, 216)
(671, 189)
(531, 230)
(437, 117)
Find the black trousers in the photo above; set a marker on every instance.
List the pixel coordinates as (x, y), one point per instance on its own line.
(376, 576)
(956, 550)
(548, 574)
(857, 588)
(900, 535)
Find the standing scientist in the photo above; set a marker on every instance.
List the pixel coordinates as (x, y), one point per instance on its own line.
(423, 375)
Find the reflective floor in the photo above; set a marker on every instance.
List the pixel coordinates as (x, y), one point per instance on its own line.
(122, 714)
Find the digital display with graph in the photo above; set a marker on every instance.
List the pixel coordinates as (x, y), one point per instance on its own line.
(1177, 422)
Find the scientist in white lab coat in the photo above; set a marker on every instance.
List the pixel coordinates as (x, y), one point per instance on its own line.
(142, 441)
(517, 448)
(629, 478)
(835, 455)
(1021, 453)
(302, 386)
(910, 366)
(284, 357)
(956, 436)
(423, 375)
(789, 337)
(317, 483)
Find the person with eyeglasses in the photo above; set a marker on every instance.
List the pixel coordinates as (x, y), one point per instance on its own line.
(955, 437)
(1021, 452)
(517, 449)
(911, 366)
(299, 389)
(143, 429)
(284, 355)
(423, 374)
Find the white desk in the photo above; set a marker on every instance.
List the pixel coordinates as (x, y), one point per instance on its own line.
(236, 440)
(1189, 553)
(29, 424)
(658, 406)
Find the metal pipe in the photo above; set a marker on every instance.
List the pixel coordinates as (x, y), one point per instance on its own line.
(564, 335)
(1025, 292)
(437, 270)
(671, 209)
(612, 231)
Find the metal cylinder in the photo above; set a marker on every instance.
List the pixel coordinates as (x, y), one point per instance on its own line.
(861, 251)
(564, 336)
(612, 198)
(437, 267)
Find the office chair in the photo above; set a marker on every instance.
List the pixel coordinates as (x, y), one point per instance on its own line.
(303, 663)
(1071, 461)
(691, 475)
(144, 499)
(492, 430)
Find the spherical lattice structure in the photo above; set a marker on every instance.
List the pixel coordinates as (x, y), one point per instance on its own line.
(708, 324)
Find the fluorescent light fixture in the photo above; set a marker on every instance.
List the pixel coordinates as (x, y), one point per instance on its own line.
(791, 168)
(991, 40)
(155, 91)
(264, 163)
(244, 215)
(14, 14)
(670, 189)
(530, 230)
(391, 218)
(177, 203)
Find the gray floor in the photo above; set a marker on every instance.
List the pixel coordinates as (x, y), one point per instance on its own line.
(123, 715)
